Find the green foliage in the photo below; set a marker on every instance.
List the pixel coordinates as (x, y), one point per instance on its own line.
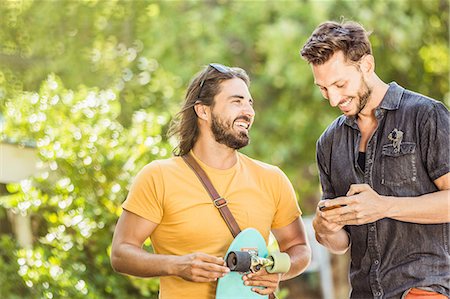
(95, 83)
(88, 161)
(11, 284)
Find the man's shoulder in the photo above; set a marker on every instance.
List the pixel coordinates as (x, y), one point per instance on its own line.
(162, 164)
(334, 128)
(414, 101)
(257, 164)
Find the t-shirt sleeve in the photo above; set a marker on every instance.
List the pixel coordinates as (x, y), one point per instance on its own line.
(287, 209)
(434, 141)
(145, 198)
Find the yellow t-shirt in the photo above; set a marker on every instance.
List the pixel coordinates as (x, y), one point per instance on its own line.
(169, 193)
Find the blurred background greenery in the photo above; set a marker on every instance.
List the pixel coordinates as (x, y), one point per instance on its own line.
(92, 86)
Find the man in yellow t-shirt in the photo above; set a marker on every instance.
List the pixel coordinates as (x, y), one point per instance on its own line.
(168, 203)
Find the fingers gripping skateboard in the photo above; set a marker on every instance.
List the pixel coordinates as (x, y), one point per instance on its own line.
(248, 261)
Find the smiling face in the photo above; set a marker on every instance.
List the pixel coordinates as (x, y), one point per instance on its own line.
(343, 84)
(232, 114)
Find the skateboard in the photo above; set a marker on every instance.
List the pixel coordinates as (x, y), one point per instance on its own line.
(248, 253)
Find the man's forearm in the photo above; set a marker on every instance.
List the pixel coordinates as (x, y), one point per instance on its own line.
(132, 260)
(300, 258)
(430, 208)
(337, 243)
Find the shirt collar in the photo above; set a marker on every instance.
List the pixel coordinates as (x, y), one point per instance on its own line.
(391, 100)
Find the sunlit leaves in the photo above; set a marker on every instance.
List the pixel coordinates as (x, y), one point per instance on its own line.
(88, 161)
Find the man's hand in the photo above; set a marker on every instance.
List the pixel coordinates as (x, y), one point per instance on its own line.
(200, 267)
(321, 224)
(262, 279)
(361, 205)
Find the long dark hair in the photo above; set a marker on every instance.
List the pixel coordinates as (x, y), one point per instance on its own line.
(185, 126)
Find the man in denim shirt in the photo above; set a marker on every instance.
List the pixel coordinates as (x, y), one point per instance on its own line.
(385, 165)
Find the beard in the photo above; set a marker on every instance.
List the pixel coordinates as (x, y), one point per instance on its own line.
(364, 94)
(222, 131)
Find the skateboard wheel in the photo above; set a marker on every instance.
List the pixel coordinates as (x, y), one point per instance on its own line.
(281, 262)
(239, 261)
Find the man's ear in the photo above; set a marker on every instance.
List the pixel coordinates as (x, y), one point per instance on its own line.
(201, 111)
(367, 64)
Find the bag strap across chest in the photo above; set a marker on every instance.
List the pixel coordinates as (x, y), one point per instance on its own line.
(219, 202)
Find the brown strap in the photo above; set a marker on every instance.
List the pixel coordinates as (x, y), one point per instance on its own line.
(219, 202)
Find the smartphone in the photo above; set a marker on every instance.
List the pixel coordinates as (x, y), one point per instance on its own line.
(323, 208)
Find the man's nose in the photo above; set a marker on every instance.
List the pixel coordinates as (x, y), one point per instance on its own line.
(334, 98)
(249, 110)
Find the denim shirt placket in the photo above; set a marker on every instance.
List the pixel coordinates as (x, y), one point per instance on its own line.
(372, 243)
(374, 276)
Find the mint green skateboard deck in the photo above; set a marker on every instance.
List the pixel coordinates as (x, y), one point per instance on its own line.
(248, 253)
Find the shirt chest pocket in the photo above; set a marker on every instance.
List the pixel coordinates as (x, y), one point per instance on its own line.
(398, 164)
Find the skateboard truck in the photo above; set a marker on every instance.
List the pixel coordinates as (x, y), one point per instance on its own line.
(249, 261)
(246, 254)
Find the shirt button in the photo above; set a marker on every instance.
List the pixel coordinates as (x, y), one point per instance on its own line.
(376, 262)
(372, 228)
(378, 294)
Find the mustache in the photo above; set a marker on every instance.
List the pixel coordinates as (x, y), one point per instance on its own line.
(243, 117)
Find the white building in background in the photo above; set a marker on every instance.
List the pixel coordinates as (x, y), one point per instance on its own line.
(18, 162)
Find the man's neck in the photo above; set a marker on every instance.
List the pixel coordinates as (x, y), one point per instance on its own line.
(214, 154)
(379, 89)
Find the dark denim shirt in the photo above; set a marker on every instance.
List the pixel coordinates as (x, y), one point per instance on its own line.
(388, 256)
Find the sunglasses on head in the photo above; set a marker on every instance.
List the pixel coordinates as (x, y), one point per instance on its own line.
(218, 67)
